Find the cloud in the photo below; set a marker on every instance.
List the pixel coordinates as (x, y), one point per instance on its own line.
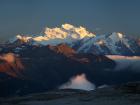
(78, 82)
(126, 62)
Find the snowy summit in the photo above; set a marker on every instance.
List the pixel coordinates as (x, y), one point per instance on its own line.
(65, 34)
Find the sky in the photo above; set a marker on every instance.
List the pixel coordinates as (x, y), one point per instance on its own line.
(100, 16)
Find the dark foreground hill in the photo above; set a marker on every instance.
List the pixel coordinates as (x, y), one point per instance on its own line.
(125, 94)
(42, 68)
(37, 68)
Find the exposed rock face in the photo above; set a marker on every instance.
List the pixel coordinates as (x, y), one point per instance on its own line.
(11, 65)
(63, 49)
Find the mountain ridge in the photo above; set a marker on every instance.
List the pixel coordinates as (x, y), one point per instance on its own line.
(83, 41)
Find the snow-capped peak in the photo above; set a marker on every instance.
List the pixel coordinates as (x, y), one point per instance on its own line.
(116, 36)
(67, 26)
(114, 43)
(22, 38)
(120, 35)
(67, 31)
(65, 34)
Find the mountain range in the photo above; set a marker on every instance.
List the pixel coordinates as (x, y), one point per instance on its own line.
(38, 63)
(83, 41)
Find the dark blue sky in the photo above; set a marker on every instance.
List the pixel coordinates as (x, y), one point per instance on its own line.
(32, 16)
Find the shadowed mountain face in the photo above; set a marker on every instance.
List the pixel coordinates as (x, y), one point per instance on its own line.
(41, 68)
(47, 67)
